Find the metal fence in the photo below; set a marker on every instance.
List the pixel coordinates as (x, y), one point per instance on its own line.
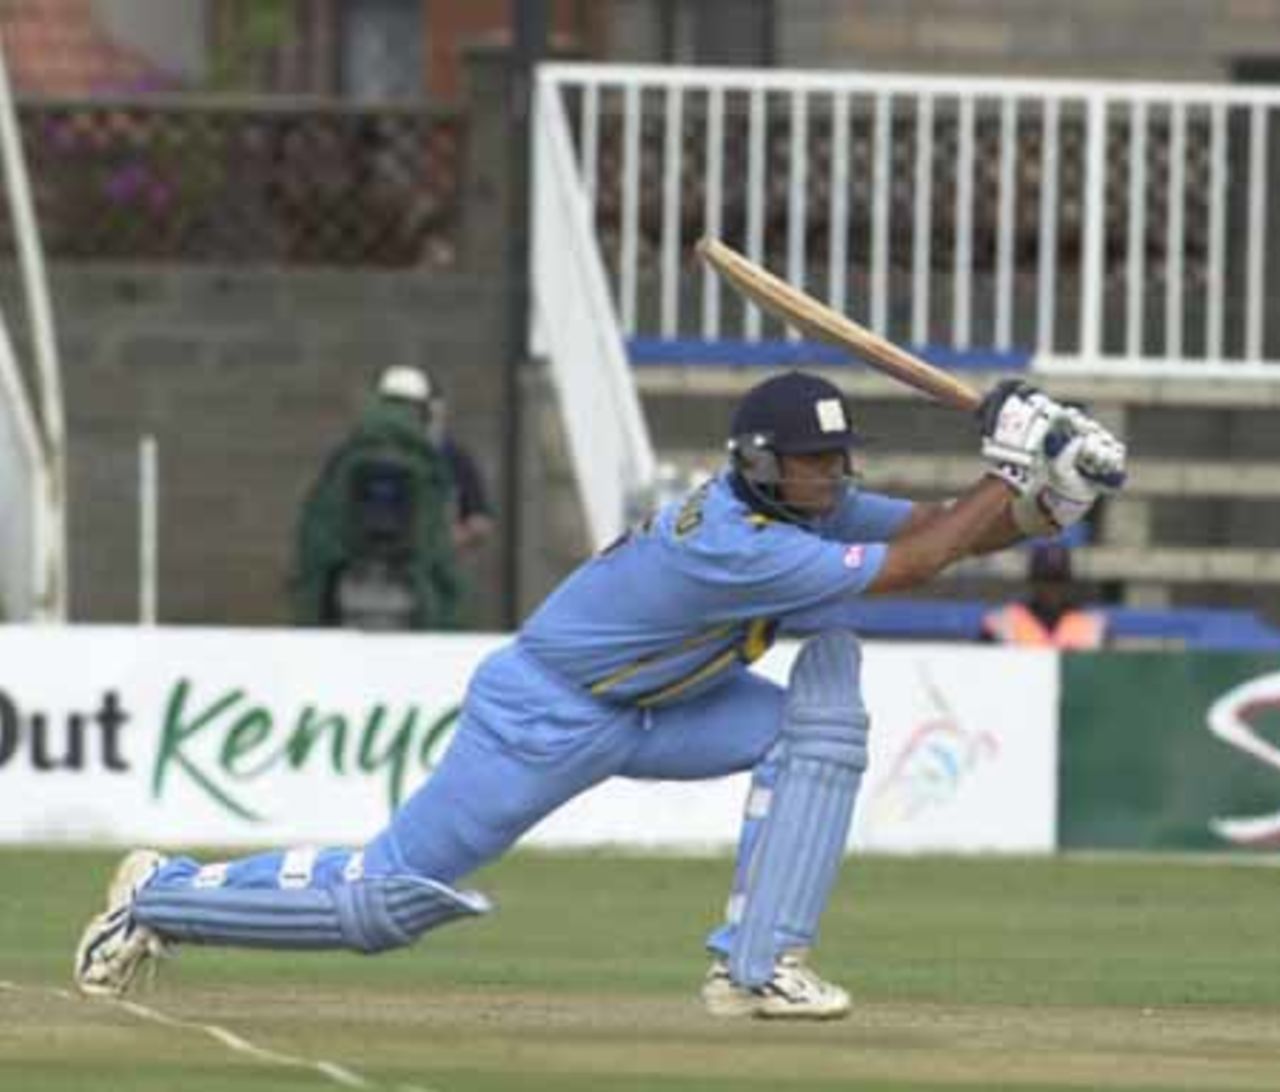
(264, 180)
(1113, 225)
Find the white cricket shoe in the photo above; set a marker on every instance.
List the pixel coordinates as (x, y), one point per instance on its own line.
(113, 947)
(795, 992)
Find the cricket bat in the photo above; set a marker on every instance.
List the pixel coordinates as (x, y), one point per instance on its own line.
(822, 323)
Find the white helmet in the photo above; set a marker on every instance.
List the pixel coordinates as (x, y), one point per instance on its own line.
(409, 384)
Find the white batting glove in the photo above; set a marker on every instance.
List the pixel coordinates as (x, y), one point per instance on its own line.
(1101, 459)
(1067, 493)
(1059, 495)
(1015, 419)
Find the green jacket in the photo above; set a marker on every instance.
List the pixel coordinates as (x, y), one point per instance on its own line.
(331, 534)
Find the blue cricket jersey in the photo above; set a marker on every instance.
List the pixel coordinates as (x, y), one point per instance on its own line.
(702, 588)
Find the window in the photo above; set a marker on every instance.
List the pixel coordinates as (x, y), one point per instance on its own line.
(381, 50)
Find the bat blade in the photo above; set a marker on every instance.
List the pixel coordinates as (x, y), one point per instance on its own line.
(816, 320)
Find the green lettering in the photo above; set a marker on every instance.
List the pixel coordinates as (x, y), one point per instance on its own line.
(433, 739)
(396, 753)
(311, 725)
(174, 736)
(386, 743)
(248, 733)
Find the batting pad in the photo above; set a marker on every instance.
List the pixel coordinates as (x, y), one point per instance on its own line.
(367, 915)
(823, 754)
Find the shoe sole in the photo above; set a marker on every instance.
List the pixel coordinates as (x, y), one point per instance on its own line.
(793, 1014)
(750, 1010)
(730, 1004)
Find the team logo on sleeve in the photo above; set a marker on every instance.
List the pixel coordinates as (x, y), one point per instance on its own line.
(853, 556)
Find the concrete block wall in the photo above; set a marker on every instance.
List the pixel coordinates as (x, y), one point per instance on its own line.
(1126, 39)
(246, 379)
(1113, 39)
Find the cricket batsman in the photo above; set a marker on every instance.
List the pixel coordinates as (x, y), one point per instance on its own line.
(638, 666)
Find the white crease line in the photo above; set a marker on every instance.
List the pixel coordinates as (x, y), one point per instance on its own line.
(235, 1042)
(337, 1073)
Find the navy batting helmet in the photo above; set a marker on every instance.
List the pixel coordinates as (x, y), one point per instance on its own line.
(790, 414)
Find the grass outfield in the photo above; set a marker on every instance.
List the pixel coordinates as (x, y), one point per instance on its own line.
(1110, 973)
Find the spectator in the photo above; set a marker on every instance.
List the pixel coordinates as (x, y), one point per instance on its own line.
(374, 548)
(1050, 616)
(472, 518)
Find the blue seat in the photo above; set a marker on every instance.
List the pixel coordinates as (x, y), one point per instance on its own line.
(749, 354)
(961, 620)
(1197, 627)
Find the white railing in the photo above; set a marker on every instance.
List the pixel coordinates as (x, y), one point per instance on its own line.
(33, 552)
(575, 322)
(24, 533)
(1088, 225)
